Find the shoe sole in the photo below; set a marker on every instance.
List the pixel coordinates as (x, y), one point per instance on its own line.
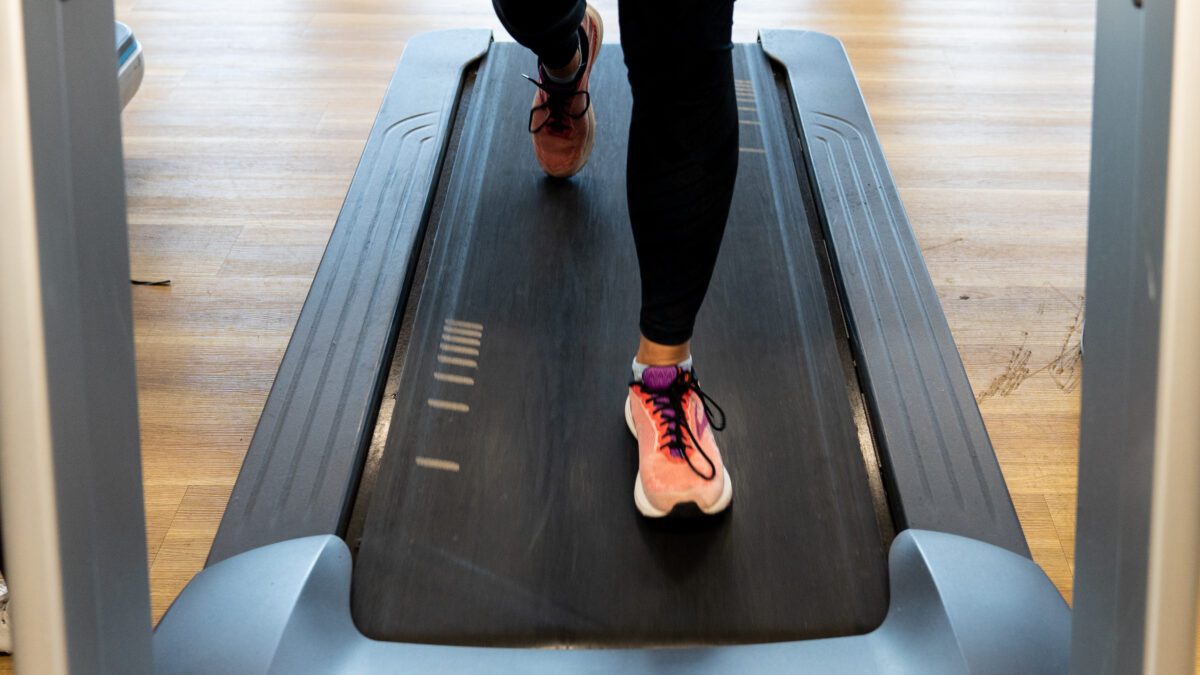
(590, 141)
(680, 509)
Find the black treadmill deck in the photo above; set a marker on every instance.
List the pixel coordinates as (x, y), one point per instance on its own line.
(502, 510)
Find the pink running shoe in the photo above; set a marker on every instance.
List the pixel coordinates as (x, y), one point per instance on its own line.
(562, 121)
(679, 465)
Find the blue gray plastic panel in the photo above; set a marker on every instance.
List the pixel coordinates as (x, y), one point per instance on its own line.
(958, 606)
(303, 464)
(938, 464)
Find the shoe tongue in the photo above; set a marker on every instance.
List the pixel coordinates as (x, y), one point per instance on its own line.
(659, 378)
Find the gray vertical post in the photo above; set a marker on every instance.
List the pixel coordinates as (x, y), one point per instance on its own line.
(1172, 579)
(71, 478)
(1137, 448)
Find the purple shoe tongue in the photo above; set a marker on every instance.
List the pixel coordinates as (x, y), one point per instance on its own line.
(658, 378)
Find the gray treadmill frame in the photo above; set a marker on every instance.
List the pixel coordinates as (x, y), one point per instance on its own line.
(958, 604)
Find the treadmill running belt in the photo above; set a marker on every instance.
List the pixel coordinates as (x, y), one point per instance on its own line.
(502, 511)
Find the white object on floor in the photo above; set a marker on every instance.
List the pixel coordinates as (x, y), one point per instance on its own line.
(5, 627)
(130, 63)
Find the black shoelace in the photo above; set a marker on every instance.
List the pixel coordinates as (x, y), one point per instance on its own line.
(670, 400)
(557, 106)
(559, 97)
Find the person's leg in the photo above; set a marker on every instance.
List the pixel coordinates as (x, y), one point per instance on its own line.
(683, 154)
(566, 36)
(549, 29)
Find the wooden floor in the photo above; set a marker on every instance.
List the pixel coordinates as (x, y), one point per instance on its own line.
(243, 138)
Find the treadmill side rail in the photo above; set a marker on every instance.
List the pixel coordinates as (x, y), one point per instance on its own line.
(937, 461)
(303, 464)
(958, 606)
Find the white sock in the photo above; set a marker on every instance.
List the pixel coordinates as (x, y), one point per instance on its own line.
(639, 368)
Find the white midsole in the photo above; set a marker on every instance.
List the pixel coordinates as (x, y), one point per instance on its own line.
(643, 502)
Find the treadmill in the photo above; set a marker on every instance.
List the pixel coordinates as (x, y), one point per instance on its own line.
(441, 480)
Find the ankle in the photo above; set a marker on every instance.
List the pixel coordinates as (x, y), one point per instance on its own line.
(567, 72)
(652, 353)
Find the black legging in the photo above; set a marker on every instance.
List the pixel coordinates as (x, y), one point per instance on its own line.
(683, 138)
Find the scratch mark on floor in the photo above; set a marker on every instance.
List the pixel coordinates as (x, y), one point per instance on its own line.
(1015, 372)
(943, 244)
(1064, 368)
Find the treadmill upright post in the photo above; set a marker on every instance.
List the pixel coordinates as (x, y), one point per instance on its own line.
(1138, 512)
(70, 476)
